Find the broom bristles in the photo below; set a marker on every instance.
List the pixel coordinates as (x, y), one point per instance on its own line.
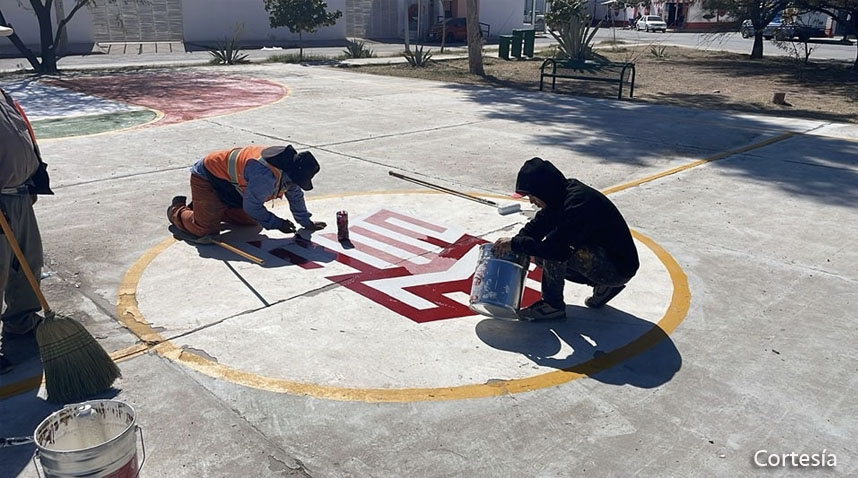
(75, 365)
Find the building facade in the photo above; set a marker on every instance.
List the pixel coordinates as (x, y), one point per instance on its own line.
(207, 21)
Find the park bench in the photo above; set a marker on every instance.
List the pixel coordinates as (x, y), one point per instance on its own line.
(589, 70)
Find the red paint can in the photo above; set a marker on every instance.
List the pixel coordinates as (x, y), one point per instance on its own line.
(343, 225)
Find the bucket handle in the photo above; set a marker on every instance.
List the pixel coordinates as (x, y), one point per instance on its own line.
(139, 467)
(142, 445)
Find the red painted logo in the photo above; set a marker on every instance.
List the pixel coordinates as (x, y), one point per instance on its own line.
(403, 263)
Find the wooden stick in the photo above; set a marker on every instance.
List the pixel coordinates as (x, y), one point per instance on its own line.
(25, 266)
(241, 253)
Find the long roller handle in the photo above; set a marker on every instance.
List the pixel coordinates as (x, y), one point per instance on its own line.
(443, 189)
(238, 251)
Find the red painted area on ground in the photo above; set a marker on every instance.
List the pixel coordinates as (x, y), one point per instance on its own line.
(182, 96)
(436, 267)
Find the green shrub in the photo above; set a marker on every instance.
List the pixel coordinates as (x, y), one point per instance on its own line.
(659, 52)
(418, 57)
(358, 49)
(228, 51)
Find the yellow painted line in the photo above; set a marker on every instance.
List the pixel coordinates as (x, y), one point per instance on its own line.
(694, 164)
(129, 314)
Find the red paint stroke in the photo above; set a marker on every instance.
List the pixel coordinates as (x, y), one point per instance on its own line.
(181, 96)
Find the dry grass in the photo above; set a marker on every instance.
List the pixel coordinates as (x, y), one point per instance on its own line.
(823, 90)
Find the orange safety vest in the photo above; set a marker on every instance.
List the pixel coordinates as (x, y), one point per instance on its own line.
(228, 164)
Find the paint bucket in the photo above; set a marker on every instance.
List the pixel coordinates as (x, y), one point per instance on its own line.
(95, 439)
(498, 283)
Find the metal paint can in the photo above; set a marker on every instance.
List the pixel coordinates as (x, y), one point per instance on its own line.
(498, 283)
(342, 226)
(95, 439)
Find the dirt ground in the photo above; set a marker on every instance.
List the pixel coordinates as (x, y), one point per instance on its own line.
(823, 90)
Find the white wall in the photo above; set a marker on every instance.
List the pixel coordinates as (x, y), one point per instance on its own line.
(23, 20)
(502, 15)
(212, 20)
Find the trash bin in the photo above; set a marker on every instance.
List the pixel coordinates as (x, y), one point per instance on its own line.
(503, 46)
(529, 41)
(517, 38)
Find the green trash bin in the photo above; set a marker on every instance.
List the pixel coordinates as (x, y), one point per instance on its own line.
(503, 46)
(529, 41)
(517, 38)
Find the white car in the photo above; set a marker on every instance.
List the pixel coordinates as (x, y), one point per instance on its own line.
(651, 23)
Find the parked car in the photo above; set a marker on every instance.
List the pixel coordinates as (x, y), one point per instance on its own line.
(456, 30)
(775, 29)
(651, 23)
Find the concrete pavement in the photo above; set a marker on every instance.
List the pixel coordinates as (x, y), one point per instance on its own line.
(752, 214)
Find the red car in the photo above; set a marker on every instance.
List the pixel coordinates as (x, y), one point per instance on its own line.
(456, 30)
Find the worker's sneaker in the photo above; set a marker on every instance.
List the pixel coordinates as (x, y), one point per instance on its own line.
(542, 310)
(176, 202)
(188, 237)
(602, 294)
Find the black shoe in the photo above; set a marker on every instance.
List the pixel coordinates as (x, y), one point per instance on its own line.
(602, 294)
(542, 310)
(176, 202)
(5, 365)
(188, 237)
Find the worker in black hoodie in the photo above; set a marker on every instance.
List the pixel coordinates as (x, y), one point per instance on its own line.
(578, 235)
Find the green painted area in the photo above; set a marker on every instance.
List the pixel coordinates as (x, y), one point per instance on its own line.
(90, 124)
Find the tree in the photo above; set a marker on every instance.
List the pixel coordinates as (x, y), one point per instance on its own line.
(759, 12)
(475, 40)
(570, 24)
(832, 9)
(300, 16)
(48, 39)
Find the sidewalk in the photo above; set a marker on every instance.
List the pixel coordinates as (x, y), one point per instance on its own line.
(147, 56)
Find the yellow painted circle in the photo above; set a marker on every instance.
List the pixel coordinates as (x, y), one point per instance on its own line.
(130, 315)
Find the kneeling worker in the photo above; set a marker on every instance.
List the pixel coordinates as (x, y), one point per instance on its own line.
(577, 235)
(232, 185)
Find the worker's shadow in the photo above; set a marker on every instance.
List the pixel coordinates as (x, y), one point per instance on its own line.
(606, 344)
(275, 252)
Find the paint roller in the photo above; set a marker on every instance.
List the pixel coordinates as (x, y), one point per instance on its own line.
(503, 210)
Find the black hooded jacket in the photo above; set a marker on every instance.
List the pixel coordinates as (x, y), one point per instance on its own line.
(575, 216)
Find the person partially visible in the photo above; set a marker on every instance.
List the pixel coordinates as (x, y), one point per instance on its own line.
(233, 185)
(23, 175)
(577, 235)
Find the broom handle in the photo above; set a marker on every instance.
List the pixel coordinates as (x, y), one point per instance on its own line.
(443, 189)
(23, 262)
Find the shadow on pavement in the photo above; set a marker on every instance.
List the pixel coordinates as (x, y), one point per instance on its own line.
(596, 339)
(821, 168)
(19, 416)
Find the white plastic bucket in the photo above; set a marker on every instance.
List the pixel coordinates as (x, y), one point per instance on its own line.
(95, 439)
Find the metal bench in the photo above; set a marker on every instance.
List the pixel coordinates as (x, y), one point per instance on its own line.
(588, 70)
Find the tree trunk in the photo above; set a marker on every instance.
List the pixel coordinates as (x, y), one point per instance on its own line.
(46, 38)
(443, 30)
(855, 32)
(757, 52)
(300, 46)
(475, 50)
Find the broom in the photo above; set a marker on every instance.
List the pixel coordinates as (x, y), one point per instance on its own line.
(75, 365)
